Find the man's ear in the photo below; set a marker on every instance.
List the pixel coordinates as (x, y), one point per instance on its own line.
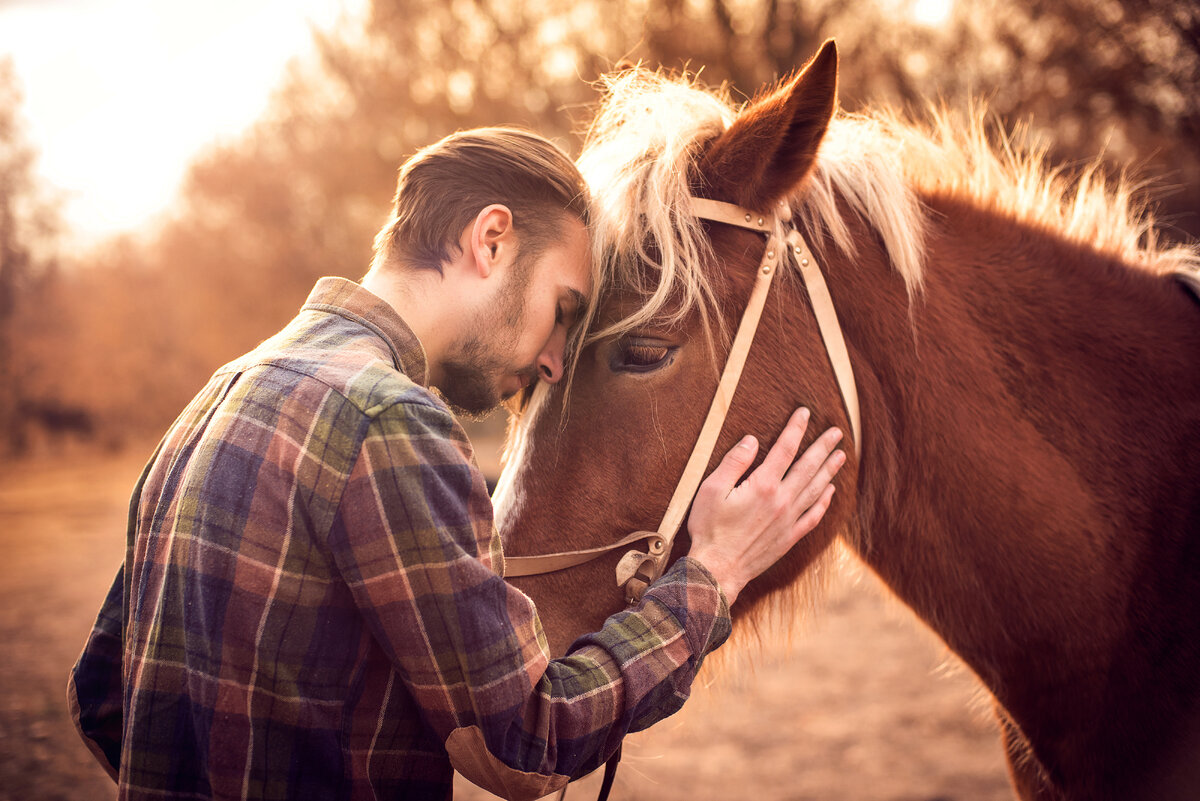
(492, 241)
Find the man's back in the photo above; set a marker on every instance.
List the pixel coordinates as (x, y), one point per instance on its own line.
(238, 612)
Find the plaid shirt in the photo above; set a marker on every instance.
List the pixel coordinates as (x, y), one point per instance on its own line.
(310, 604)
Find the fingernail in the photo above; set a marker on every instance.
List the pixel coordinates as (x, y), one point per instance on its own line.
(803, 413)
(747, 442)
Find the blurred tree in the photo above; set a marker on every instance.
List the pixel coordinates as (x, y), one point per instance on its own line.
(1117, 78)
(303, 192)
(28, 229)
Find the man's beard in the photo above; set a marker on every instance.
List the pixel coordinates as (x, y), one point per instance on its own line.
(470, 376)
(469, 381)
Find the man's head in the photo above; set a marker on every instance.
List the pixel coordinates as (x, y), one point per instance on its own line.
(445, 185)
(515, 326)
(490, 227)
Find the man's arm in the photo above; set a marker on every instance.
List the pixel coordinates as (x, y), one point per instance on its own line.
(416, 545)
(94, 693)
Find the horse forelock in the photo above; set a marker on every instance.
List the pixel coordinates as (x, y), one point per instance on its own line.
(640, 162)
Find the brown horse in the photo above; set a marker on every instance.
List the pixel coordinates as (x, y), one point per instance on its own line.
(1029, 377)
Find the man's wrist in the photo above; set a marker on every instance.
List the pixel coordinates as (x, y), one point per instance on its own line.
(722, 573)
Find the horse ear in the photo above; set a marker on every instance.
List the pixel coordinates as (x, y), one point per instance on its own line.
(772, 145)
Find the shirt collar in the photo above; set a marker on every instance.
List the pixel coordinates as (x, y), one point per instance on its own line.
(350, 300)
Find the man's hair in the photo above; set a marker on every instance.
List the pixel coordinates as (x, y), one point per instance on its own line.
(445, 185)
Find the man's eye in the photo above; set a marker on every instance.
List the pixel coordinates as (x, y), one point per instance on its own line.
(640, 357)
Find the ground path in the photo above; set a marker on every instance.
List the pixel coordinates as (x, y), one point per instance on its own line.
(861, 706)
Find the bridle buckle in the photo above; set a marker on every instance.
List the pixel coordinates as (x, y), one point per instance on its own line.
(637, 570)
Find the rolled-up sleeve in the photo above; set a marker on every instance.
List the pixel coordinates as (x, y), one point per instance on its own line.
(415, 542)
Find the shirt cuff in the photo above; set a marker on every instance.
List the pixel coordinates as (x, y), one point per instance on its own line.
(698, 603)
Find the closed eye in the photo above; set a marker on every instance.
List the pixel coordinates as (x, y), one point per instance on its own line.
(640, 356)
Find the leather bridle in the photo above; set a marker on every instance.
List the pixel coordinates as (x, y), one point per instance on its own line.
(638, 569)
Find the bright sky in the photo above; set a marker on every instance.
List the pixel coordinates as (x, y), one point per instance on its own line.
(119, 94)
(930, 12)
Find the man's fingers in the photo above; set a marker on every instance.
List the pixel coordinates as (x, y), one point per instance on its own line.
(805, 468)
(808, 521)
(732, 467)
(783, 452)
(815, 486)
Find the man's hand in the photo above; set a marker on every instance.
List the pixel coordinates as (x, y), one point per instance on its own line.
(739, 530)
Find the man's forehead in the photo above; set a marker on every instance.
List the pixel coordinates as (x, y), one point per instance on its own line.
(568, 264)
(580, 238)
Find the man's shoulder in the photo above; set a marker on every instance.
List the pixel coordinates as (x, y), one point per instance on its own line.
(355, 366)
(374, 385)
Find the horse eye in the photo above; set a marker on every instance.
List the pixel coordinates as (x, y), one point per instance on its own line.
(640, 357)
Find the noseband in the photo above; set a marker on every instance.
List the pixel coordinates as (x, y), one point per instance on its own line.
(638, 569)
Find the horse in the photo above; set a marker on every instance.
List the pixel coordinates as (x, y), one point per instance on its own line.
(1027, 372)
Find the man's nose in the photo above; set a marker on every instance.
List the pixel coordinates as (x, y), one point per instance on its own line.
(550, 361)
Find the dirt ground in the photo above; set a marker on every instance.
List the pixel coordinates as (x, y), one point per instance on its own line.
(862, 705)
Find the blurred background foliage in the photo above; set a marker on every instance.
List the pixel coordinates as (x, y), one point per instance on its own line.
(108, 345)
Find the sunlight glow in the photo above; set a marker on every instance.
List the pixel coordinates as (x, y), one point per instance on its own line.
(932, 13)
(120, 94)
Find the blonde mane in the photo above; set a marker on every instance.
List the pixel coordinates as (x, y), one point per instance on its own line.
(641, 149)
(636, 159)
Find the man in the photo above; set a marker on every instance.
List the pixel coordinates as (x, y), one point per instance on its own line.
(310, 606)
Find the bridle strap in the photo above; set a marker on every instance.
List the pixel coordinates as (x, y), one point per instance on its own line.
(818, 295)
(638, 569)
(730, 214)
(549, 563)
(831, 332)
(653, 564)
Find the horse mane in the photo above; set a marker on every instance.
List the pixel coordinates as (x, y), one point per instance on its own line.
(638, 157)
(639, 161)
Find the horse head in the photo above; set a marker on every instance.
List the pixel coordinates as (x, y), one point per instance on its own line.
(1027, 369)
(598, 458)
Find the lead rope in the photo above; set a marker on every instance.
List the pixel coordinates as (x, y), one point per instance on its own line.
(610, 773)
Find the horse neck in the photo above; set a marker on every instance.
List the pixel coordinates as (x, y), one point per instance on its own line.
(1029, 422)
